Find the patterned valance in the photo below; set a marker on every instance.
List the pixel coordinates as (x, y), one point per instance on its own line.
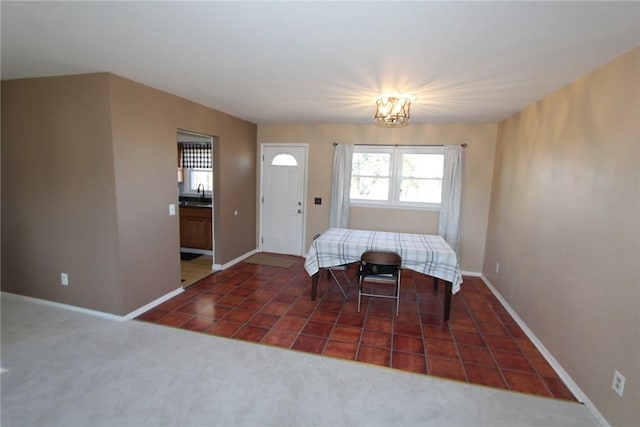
(196, 156)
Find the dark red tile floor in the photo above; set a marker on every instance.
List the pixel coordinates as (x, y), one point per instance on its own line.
(480, 344)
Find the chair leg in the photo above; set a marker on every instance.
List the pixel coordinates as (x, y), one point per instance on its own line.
(359, 292)
(398, 297)
(338, 283)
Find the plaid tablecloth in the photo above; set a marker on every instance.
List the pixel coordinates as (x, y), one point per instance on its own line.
(427, 254)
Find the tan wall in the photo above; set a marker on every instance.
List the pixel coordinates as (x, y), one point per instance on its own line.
(564, 226)
(478, 171)
(145, 159)
(58, 195)
(93, 198)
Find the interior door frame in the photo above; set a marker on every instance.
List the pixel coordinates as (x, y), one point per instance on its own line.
(304, 192)
(214, 194)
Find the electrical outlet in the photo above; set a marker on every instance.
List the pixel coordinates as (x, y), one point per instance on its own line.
(497, 267)
(618, 382)
(64, 279)
(172, 210)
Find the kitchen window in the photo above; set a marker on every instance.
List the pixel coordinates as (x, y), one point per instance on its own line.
(196, 177)
(405, 176)
(196, 162)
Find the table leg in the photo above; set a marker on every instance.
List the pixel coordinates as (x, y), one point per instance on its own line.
(447, 296)
(447, 300)
(314, 284)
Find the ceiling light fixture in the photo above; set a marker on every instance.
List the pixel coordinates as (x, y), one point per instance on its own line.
(392, 110)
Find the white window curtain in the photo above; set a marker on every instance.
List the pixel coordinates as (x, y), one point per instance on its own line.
(341, 186)
(449, 221)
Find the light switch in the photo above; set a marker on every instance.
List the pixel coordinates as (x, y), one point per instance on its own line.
(172, 210)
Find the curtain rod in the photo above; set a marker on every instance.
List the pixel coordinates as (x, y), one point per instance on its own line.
(463, 145)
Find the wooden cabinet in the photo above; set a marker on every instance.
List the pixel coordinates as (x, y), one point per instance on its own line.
(195, 228)
(180, 170)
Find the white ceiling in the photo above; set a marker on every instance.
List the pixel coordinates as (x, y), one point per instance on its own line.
(324, 62)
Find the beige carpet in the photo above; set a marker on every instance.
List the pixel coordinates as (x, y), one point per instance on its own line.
(173, 377)
(271, 260)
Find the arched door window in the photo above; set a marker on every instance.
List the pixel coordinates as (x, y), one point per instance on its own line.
(284, 159)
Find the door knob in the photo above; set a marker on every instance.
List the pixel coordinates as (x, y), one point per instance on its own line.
(299, 210)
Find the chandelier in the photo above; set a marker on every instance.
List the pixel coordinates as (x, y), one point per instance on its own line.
(392, 110)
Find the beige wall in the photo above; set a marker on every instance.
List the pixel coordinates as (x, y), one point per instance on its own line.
(58, 195)
(478, 171)
(88, 173)
(564, 226)
(145, 162)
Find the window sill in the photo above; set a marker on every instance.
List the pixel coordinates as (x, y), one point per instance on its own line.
(432, 208)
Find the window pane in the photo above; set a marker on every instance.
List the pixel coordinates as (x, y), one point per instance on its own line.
(422, 165)
(401, 176)
(197, 177)
(371, 164)
(421, 190)
(369, 188)
(284, 159)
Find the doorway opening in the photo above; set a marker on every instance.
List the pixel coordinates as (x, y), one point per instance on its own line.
(196, 200)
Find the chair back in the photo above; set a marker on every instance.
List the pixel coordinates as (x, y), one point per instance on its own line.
(379, 266)
(380, 262)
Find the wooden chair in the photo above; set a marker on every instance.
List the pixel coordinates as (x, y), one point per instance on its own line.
(380, 267)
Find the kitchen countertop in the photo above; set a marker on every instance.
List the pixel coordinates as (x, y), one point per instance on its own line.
(195, 202)
(194, 205)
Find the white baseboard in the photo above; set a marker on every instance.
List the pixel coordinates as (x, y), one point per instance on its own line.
(90, 312)
(97, 313)
(234, 261)
(152, 304)
(197, 251)
(134, 313)
(170, 295)
(564, 376)
(471, 273)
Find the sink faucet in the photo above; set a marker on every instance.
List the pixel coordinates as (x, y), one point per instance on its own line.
(198, 190)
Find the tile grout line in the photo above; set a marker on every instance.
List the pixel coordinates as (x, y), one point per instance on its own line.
(475, 322)
(478, 289)
(500, 368)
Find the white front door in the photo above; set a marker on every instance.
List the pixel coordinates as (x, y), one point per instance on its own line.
(283, 191)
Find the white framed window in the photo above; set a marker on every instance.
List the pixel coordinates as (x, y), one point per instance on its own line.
(199, 176)
(397, 176)
(371, 174)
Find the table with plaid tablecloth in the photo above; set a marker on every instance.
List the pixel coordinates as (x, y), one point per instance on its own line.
(424, 253)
